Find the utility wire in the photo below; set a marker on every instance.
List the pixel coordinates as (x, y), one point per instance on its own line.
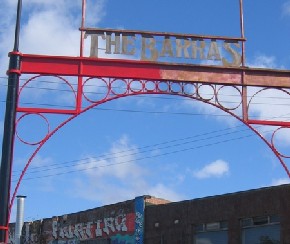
(53, 89)
(147, 112)
(134, 160)
(98, 93)
(79, 162)
(144, 149)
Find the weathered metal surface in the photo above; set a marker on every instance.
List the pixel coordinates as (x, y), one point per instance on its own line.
(202, 75)
(165, 47)
(57, 65)
(166, 59)
(267, 78)
(159, 33)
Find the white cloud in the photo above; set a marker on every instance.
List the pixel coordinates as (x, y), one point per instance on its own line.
(37, 168)
(282, 139)
(162, 191)
(280, 181)
(53, 38)
(263, 61)
(47, 27)
(228, 97)
(270, 104)
(286, 9)
(96, 12)
(40, 161)
(120, 164)
(118, 177)
(217, 169)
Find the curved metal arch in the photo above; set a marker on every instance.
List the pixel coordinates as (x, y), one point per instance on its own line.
(152, 92)
(266, 89)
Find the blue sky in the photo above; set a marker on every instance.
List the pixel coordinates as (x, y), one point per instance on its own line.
(165, 146)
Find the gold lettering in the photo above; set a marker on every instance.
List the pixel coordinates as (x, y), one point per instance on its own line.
(236, 57)
(110, 43)
(198, 49)
(166, 48)
(148, 42)
(182, 47)
(213, 52)
(128, 40)
(94, 44)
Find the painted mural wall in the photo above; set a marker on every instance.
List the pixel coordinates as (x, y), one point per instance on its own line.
(121, 223)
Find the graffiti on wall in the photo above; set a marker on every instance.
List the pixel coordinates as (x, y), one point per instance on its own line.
(106, 225)
(30, 233)
(100, 228)
(139, 220)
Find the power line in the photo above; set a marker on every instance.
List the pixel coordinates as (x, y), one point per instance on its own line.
(105, 157)
(148, 112)
(75, 163)
(138, 159)
(159, 146)
(99, 93)
(134, 111)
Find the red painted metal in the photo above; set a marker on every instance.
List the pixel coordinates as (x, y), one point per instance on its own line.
(269, 122)
(273, 144)
(111, 95)
(37, 142)
(144, 77)
(77, 95)
(138, 87)
(92, 67)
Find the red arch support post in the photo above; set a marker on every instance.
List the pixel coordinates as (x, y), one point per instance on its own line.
(141, 71)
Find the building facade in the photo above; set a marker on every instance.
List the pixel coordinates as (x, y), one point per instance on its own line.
(250, 217)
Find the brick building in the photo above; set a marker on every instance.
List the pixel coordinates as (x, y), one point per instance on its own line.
(249, 217)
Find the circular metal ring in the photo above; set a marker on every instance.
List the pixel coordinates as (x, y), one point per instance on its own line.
(202, 98)
(220, 104)
(273, 143)
(175, 87)
(36, 142)
(119, 87)
(135, 86)
(148, 85)
(163, 86)
(189, 89)
(101, 90)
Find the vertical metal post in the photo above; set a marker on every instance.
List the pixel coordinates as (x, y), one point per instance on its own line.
(244, 88)
(82, 26)
(80, 78)
(9, 131)
(19, 218)
(242, 30)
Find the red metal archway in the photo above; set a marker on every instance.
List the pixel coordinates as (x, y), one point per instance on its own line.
(148, 77)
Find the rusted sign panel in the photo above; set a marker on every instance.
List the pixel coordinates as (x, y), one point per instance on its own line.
(81, 66)
(165, 47)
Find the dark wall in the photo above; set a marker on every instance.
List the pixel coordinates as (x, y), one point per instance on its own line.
(112, 223)
(177, 221)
